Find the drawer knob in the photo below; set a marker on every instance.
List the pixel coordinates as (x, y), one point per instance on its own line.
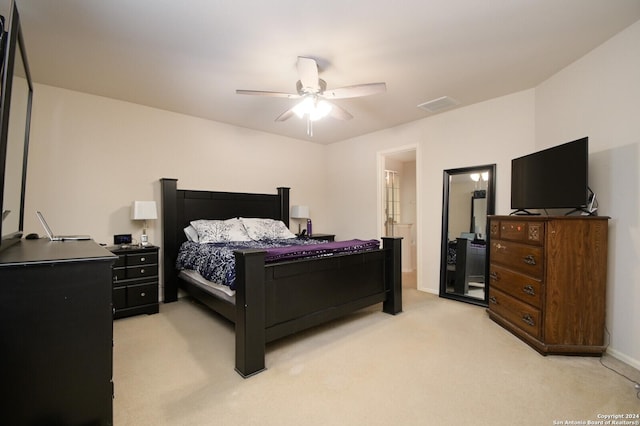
(142, 271)
(528, 320)
(529, 259)
(143, 294)
(529, 290)
(142, 259)
(493, 300)
(494, 276)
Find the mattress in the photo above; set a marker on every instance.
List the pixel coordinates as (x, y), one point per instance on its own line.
(221, 291)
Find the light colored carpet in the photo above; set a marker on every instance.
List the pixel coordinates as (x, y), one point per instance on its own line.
(440, 362)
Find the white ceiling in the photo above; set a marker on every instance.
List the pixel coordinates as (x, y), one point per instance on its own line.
(190, 56)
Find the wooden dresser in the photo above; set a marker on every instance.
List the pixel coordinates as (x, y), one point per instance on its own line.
(548, 281)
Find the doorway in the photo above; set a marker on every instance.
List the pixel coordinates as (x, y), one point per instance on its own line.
(398, 206)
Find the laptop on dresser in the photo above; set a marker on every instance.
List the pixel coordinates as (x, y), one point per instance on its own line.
(59, 237)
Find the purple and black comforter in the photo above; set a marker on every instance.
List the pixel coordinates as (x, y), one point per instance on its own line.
(216, 261)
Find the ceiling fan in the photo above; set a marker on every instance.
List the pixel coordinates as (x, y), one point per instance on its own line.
(314, 95)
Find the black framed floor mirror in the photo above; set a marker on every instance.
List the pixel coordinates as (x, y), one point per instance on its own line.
(468, 196)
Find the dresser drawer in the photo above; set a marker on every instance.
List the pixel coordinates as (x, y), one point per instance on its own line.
(518, 313)
(523, 258)
(142, 294)
(142, 271)
(523, 287)
(142, 259)
(515, 230)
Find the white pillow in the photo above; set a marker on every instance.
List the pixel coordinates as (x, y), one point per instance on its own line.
(266, 229)
(220, 231)
(191, 233)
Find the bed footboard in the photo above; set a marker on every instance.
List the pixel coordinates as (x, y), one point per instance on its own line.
(273, 301)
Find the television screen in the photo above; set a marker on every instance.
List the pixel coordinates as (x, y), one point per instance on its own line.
(553, 178)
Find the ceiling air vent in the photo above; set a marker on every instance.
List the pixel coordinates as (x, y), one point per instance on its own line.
(440, 104)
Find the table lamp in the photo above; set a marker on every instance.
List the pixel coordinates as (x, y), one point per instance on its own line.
(144, 210)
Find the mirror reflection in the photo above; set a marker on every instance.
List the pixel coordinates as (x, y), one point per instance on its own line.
(15, 156)
(468, 199)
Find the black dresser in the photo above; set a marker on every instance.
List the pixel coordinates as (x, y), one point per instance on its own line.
(135, 281)
(56, 333)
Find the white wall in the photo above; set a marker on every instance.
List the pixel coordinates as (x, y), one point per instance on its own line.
(90, 157)
(599, 96)
(490, 132)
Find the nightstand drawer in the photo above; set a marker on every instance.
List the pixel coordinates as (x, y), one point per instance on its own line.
(119, 297)
(142, 259)
(142, 294)
(118, 274)
(142, 271)
(121, 262)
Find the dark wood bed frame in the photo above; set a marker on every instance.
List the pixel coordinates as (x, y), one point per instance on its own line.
(276, 300)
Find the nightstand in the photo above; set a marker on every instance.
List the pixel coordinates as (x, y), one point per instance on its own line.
(328, 237)
(135, 281)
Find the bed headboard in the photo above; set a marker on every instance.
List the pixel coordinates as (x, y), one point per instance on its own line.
(181, 206)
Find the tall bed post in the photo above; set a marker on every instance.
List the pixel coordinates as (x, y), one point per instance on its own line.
(283, 193)
(250, 312)
(393, 274)
(169, 209)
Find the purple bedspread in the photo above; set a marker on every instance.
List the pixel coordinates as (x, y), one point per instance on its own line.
(216, 262)
(297, 252)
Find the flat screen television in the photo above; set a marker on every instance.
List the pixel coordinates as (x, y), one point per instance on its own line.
(16, 93)
(553, 178)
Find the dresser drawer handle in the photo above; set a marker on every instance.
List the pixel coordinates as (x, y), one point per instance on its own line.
(529, 260)
(493, 300)
(528, 320)
(500, 246)
(142, 270)
(494, 276)
(143, 294)
(529, 290)
(142, 259)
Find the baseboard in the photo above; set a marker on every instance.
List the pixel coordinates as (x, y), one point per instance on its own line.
(624, 358)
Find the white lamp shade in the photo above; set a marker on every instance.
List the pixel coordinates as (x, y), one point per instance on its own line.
(300, 212)
(143, 210)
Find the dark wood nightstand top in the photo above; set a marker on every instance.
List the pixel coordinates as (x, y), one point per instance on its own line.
(328, 237)
(131, 248)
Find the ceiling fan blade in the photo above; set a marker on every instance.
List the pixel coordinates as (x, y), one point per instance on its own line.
(308, 74)
(265, 93)
(340, 113)
(355, 91)
(286, 115)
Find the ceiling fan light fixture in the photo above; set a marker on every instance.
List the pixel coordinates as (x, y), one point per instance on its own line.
(313, 108)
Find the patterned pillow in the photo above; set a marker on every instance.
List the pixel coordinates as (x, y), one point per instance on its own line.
(266, 229)
(220, 231)
(191, 233)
